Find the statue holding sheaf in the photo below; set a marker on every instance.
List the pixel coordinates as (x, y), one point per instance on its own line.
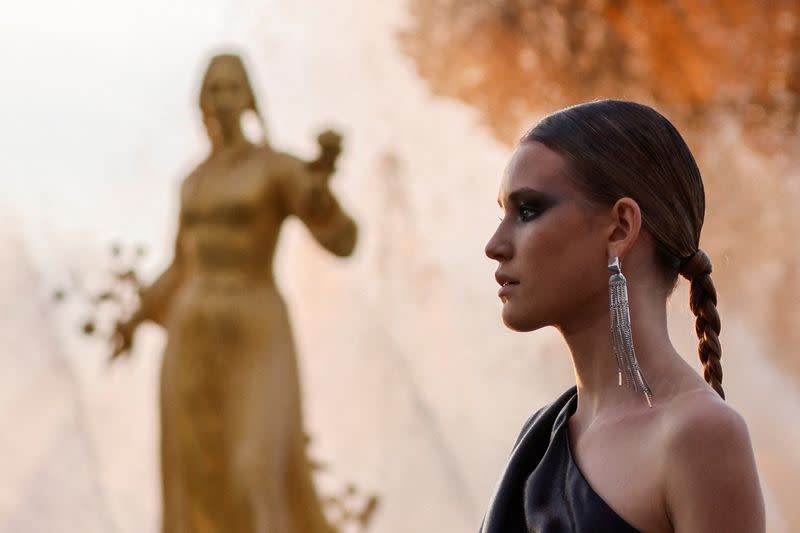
(233, 454)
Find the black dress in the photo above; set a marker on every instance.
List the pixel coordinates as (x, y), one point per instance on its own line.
(542, 490)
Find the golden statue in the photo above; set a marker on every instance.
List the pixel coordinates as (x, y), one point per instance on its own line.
(233, 455)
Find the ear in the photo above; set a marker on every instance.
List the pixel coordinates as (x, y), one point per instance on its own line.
(626, 223)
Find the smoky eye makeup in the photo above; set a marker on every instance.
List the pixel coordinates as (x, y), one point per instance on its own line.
(529, 203)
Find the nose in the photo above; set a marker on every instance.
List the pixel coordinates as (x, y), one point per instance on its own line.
(223, 103)
(499, 247)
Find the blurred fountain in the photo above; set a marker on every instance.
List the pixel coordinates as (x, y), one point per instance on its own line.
(47, 457)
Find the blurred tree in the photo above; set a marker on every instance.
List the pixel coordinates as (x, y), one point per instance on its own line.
(509, 57)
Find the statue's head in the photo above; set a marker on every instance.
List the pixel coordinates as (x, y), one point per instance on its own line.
(226, 92)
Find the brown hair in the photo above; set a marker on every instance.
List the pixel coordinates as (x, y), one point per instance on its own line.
(618, 149)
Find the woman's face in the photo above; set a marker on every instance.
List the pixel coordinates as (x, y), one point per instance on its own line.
(551, 244)
(226, 94)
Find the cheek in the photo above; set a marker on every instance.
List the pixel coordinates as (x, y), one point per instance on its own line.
(241, 98)
(566, 263)
(562, 249)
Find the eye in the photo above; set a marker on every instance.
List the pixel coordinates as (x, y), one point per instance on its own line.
(526, 213)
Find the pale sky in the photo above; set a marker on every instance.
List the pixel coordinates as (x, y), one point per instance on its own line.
(99, 112)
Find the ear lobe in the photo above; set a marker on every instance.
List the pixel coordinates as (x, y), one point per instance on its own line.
(626, 223)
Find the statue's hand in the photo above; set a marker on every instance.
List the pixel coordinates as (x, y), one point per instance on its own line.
(122, 339)
(330, 146)
(330, 140)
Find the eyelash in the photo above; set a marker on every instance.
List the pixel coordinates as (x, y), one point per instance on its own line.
(534, 212)
(527, 209)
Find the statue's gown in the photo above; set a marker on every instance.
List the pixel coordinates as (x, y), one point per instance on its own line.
(233, 442)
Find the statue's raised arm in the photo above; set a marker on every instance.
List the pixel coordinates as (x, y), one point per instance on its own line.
(307, 193)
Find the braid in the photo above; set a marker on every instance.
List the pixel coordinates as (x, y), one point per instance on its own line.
(703, 303)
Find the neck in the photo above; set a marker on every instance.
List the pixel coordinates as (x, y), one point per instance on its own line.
(232, 137)
(224, 133)
(596, 372)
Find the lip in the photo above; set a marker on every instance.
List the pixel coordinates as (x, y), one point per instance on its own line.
(506, 282)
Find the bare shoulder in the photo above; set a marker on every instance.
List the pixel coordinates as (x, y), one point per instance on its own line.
(711, 482)
(701, 416)
(281, 163)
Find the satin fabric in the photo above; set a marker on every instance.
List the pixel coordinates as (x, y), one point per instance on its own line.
(542, 490)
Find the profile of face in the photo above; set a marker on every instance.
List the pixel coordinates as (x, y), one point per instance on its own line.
(226, 92)
(551, 244)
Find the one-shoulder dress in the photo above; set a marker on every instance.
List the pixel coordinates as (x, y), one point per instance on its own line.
(542, 490)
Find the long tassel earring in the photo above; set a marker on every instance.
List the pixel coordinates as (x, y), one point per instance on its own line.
(621, 334)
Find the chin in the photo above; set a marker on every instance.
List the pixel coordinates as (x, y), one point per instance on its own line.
(522, 322)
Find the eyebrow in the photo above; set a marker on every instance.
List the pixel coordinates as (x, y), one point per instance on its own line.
(530, 195)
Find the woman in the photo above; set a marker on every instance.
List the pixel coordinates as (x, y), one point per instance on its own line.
(232, 442)
(603, 206)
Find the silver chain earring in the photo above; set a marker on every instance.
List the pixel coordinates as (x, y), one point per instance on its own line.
(621, 334)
